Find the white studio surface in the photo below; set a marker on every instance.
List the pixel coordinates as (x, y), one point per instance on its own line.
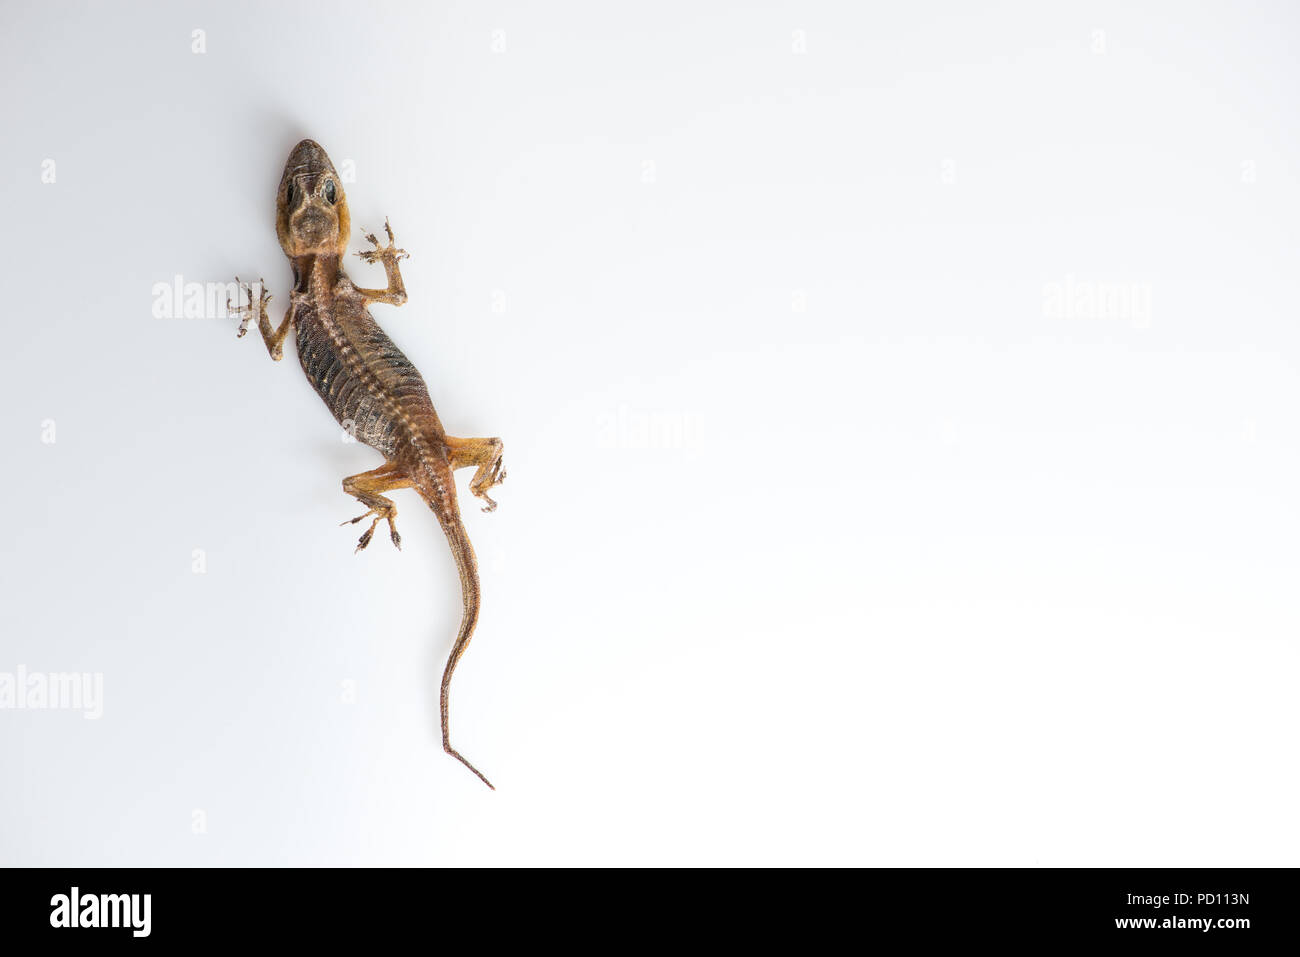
(900, 405)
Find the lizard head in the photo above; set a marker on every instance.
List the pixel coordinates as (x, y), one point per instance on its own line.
(311, 210)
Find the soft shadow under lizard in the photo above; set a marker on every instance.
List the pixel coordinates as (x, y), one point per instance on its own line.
(372, 389)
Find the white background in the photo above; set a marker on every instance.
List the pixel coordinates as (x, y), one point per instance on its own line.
(829, 537)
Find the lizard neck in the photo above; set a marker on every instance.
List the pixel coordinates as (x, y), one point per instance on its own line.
(316, 276)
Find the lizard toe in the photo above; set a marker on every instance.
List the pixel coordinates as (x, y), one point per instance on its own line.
(364, 540)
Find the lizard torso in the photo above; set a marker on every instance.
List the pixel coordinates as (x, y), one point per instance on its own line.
(373, 390)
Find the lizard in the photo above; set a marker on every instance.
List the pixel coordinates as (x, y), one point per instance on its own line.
(371, 388)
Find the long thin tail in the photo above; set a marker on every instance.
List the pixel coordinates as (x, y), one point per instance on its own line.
(467, 565)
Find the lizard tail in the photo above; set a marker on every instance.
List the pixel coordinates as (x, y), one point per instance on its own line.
(467, 566)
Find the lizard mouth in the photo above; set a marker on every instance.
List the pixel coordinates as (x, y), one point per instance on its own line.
(313, 225)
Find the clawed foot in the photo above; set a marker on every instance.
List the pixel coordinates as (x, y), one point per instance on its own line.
(380, 514)
(384, 254)
(491, 480)
(247, 313)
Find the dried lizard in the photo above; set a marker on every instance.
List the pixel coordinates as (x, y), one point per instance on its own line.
(372, 389)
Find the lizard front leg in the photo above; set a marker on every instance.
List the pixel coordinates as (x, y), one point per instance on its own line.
(367, 488)
(274, 338)
(395, 294)
(486, 454)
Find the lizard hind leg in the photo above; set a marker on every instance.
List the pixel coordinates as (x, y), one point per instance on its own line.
(484, 453)
(367, 488)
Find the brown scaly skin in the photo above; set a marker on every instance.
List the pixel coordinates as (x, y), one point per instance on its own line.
(371, 388)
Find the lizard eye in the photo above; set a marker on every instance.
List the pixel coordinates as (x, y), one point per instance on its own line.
(288, 193)
(329, 190)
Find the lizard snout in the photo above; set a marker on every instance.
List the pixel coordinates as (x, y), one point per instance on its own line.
(308, 153)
